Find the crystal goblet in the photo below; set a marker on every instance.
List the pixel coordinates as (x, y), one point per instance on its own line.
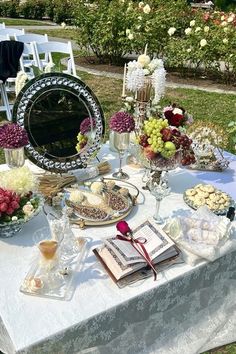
(159, 191)
(121, 144)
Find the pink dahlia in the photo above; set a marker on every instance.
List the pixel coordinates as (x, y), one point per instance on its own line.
(12, 136)
(122, 122)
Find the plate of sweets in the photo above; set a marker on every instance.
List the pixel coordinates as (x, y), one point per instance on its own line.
(99, 202)
(206, 194)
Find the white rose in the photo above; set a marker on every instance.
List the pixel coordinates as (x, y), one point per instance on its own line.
(127, 31)
(147, 9)
(203, 42)
(141, 4)
(188, 31)
(177, 111)
(129, 99)
(226, 29)
(197, 29)
(28, 209)
(206, 29)
(14, 218)
(63, 25)
(225, 41)
(192, 23)
(224, 23)
(230, 18)
(144, 60)
(171, 31)
(131, 36)
(189, 50)
(222, 18)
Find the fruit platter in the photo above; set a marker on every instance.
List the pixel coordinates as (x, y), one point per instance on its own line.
(162, 146)
(95, 203)
(206, 194)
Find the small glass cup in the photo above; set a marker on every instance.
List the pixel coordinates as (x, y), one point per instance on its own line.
(159, 191)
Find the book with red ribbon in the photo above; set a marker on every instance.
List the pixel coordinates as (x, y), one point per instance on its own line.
(146, 246)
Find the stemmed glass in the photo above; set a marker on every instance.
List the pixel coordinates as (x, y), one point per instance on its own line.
(121, 144)
(159, 191)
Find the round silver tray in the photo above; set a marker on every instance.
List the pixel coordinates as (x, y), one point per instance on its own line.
(113, 218)
(191, 204)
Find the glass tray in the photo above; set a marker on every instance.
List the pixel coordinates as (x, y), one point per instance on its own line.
(224, 211)
(59, 281)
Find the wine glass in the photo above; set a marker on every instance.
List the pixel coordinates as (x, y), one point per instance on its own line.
(159, 191)
(121, 144)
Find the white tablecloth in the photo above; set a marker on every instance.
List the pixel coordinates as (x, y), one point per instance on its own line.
(187, 310)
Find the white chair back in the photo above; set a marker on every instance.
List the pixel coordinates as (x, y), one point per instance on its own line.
(4, 38)
(26, 65)
(11, 32)
(33, 37)
(5, 106)
(2, 25)
(56, 47)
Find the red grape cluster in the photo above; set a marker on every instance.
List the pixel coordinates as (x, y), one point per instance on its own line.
(9, 202)
(143, 140)
(183, 141)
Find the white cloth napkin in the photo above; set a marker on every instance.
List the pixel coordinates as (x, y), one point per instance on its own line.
(203, 235)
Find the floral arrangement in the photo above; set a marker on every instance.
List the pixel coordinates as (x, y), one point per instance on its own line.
(122, 122)
(144, 68)
(160, 140)
(12, 136)
(86, 127)
(17, 201)
(21, 80)
(177, 116)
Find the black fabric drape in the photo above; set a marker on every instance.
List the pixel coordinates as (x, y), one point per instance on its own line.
(10, 53)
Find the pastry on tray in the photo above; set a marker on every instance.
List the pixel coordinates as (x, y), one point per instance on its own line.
(206, 194)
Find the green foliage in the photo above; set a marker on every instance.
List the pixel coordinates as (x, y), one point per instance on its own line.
(34, 9)
(116, 28)
(59, 10)
(9, 9)
(207, 44)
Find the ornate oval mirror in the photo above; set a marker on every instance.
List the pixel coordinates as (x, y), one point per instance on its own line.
(54, 108)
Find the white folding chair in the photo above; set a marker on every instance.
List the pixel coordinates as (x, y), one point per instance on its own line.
(2, 25)
(4, 38)
(11, 32)
(56, 47)
(27, 64)
(32, 37)
(5, 106)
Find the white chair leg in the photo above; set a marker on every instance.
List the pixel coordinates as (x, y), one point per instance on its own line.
(6, 105)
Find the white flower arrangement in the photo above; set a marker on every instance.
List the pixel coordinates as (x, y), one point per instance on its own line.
(19, 180)
(139, 70)
(20, 82)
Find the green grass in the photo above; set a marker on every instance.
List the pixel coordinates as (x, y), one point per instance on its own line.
(23, 22)
(66, 33)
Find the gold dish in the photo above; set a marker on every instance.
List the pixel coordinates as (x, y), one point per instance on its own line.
(125, 191)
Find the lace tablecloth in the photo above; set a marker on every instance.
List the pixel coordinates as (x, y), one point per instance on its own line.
(187, 310)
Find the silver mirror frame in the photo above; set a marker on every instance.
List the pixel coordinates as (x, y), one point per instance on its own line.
(25, 100)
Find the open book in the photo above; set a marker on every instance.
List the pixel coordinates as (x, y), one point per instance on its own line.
(121, 259)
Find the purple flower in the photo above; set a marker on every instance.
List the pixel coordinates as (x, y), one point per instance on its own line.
(12, 136)
(87, 125)
(122, 122)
